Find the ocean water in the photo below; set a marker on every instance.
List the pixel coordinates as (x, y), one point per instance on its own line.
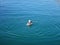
(45, 15)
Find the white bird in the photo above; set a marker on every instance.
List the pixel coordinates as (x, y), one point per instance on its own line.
(29, 23)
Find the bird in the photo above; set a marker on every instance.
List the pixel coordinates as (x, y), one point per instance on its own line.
(29, 23)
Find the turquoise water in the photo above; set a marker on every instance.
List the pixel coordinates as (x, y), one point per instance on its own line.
(45, 15)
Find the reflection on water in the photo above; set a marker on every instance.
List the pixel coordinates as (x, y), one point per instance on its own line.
(14, 15)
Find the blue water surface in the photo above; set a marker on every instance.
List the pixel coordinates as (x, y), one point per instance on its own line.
(45, 15)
